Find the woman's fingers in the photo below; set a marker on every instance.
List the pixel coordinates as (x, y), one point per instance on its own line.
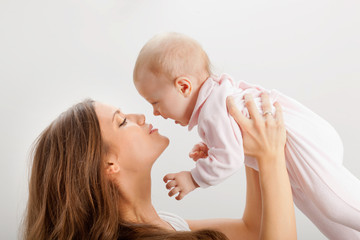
(235, 112)
(278, 113)
(251, 106)
(266, 105)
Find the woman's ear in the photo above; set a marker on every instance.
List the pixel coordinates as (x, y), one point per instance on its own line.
(112, 165)
(183, 85)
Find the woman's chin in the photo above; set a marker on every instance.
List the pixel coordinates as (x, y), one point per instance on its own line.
(164, 142)
(161, 147)
(167, 142)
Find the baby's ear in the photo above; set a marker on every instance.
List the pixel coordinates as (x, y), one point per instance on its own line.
(183, 85)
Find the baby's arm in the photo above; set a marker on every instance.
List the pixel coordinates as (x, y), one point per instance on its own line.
(223, 139)
(181, 183)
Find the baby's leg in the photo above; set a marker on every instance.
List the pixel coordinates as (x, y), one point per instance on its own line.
(337, 202)
(342, 209)
(330, 229)
(324, 182)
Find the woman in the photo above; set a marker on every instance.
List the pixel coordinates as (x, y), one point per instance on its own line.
(90, 180)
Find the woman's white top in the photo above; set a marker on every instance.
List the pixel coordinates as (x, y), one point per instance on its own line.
(178, 223)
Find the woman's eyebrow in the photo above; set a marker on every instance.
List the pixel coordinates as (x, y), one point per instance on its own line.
(116, 112)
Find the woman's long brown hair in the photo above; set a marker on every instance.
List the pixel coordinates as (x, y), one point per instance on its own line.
(69, 195)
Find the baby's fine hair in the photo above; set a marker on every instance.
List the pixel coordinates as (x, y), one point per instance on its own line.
(173, 55)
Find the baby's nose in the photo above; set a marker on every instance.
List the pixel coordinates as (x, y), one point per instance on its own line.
(156, 112)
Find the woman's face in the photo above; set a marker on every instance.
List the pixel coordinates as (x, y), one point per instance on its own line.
(135, 143)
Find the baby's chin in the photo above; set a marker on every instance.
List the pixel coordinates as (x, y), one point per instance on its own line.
(181, 123)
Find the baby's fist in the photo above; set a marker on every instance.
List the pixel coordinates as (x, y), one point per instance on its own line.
(200, 150)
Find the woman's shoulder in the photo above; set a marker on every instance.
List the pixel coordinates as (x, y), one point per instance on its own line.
(178, 223)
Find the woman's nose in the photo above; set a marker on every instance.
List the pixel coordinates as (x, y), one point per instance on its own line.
(138, 119)
(141, 119)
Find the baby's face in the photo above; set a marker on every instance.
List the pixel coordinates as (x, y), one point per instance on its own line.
(165, 99)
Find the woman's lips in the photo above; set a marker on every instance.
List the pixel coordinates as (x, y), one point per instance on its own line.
(151, 129)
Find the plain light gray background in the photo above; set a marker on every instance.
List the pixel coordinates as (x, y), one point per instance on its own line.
(56, 53)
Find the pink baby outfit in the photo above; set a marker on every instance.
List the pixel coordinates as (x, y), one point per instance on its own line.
(323, 189)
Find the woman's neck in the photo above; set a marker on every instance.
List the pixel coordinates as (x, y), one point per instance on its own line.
(136, 204)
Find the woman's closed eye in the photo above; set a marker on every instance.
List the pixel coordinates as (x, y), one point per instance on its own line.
(123, 123)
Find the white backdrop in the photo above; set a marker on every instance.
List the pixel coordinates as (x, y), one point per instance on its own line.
(56, 53)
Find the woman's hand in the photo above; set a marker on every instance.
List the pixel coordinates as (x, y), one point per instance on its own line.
(263, 136)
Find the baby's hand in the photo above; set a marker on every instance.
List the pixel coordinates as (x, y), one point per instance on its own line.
(181, 183)
(200, 150)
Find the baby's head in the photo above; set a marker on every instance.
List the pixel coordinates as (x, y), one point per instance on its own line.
(168, 73)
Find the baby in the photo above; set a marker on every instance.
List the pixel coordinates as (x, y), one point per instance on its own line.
(172, 72)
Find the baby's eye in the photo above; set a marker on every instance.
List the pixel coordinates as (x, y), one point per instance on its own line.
(123, 123)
